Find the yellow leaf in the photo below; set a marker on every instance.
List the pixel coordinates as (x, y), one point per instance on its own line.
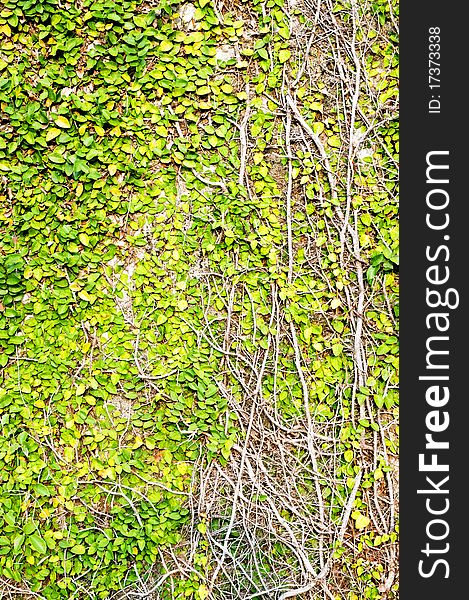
(112, 169)
(182, 304)
(165, 46)
(99, 130)
(150, 444)
(5, 29)
(79, 190)
(87, 297)
(63, 122)
(194, 37)
(138, 442)
(80, 389)
(52, 133)
(75, 286)
(361, 521)
(161, 130)
(318, 128)
(69, 455)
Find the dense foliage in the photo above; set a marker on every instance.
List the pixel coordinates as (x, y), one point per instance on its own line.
(146, 239)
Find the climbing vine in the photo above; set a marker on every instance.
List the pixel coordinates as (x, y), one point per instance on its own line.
(198, 299)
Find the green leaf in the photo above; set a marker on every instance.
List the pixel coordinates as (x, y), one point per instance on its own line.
(334, 141)
(56, 158)
(41, 489)
(18, 541)
(10, 519)
(140, 20)
(318, 128)
(202, 527)
(284, 55)
(379, 400)
(78, 549)
(337, 349)
(29, 527)
(382, 349)
(84, 239)
(338, 326)
(37, 543)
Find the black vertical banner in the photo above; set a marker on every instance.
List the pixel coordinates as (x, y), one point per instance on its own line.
(434, 415)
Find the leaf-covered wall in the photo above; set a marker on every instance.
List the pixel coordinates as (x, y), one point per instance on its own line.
(198, 299)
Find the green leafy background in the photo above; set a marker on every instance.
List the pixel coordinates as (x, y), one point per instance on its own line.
(128, 236)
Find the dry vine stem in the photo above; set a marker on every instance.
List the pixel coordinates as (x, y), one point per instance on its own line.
(270, 531)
